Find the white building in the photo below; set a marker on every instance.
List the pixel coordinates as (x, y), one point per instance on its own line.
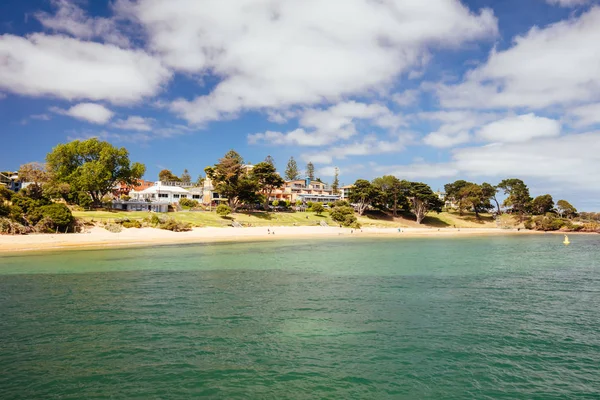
(160, 193)
(345, 192)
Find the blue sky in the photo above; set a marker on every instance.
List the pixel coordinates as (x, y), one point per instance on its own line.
(432, 91)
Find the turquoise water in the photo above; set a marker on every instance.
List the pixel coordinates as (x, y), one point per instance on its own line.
(478, 318)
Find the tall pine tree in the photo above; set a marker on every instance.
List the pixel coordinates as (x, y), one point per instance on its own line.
(291, 171)
(336, 181)
(310, 171)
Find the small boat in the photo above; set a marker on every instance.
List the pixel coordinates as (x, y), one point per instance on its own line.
(566, 241)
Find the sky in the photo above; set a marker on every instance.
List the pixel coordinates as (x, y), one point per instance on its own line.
(430, 91)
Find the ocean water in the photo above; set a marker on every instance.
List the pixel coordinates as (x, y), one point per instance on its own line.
(513, 317)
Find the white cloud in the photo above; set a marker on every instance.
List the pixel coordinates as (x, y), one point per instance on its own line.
(455, 128)
(406, 98)
(325, 126)
(554, 65)
(446, 139)
(419, 171)
(521, 128)
(71, 19)
(94, 113)
(135, 123)
(273, 54)
(64, 67)
(41, 117)
(568, 3)
(564, 161)
(369, 145)
(586, 115)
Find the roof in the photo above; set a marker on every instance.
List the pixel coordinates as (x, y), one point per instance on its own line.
(163, 188)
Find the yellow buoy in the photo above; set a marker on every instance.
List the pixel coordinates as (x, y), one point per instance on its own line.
(566, 241)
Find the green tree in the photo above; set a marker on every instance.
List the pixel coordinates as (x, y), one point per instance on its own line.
(230, 180)
(566, 209)
(336, 181)
(200, 180)
(270, 160)
(343, 215)
(392, 192)
(363, 194)
(223, 210)
(455, 195)
(167, 176)
(291, 171)
(310, 171)
(268, 179)
(186, 178)
(475, 197)
(318, 208)
(518, 197)
(92, 166)
(423, 200)
(490, 191)
(542, 204)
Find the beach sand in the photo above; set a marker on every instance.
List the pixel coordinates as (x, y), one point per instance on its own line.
(99, 237)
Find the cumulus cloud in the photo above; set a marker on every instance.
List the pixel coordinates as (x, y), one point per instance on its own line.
(273, 54)
(41, 65)
(561, 161)
(554, 65)
(70, 18)
(455, 126)
(325, 126)
(90, 112)
(134, 123)
(521, 128)
(369, 145)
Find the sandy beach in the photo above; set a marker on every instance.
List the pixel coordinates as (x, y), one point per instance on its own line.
(99, 237)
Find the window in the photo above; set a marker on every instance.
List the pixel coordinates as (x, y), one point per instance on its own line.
(184, 196)
(195, 196)
(175, 196)
(163, 195)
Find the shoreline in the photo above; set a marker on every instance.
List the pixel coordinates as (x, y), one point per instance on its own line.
(99, 238)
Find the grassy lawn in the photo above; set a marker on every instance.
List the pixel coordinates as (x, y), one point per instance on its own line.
(207, 218)
(375, 219)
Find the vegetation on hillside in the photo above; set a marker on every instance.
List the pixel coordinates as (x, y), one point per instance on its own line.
(84, 172)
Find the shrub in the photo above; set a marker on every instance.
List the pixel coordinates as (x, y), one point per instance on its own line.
(298, 203)
(350, 220)
(132, 224)
(12, 228)
(188, 203)
(223, 210)
(275, 203)
(59, 214)
(309, 204)
(318, 208)
(5, 193)
(4, 210)
(125, 197)
(288, 204)
(176, 226)
(339, 214)
(114, 228)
